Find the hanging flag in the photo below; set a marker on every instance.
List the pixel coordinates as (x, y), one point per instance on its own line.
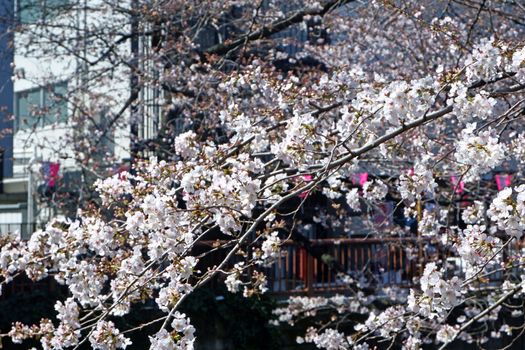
(50, 171)
(306, 178)
(359, 178)
(458, 187)
(503, 181)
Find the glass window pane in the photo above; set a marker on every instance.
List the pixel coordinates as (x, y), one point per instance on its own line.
(28, 108)
(56, 4)
(55, 7)
(55, 102)
(29, 11)
(32, 11)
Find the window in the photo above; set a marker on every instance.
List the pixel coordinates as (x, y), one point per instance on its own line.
(27, 103)
(31, 11)
(55, 103)
(40, 107)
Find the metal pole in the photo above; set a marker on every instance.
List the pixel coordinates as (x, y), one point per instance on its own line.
(30, 213)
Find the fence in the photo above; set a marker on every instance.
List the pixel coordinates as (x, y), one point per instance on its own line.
(25, 229)
(371, 262)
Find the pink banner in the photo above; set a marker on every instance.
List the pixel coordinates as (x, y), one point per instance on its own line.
(360, 178)
(458, 187)
(503, 181)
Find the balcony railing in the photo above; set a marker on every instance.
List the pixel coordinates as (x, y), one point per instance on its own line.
(327, 264)
(25, 229)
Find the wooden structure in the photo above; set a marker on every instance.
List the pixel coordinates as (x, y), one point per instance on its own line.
(326, 264)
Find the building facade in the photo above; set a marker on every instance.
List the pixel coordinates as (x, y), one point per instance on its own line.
(65, 91)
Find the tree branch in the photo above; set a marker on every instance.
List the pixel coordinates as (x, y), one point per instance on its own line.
(276, 27)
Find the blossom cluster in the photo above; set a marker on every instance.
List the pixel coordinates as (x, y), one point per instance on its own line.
(438, 295)
(508, 211)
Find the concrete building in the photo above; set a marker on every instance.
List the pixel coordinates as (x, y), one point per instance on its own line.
(68, 123)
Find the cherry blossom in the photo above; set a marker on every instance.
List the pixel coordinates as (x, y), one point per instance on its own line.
(263, 155)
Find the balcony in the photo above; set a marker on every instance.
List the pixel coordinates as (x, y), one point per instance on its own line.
(328, 265)
(24, 229)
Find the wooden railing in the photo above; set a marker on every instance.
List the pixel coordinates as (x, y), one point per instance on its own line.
(322, 266)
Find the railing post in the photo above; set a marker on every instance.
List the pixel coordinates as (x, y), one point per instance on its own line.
(309, 274)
